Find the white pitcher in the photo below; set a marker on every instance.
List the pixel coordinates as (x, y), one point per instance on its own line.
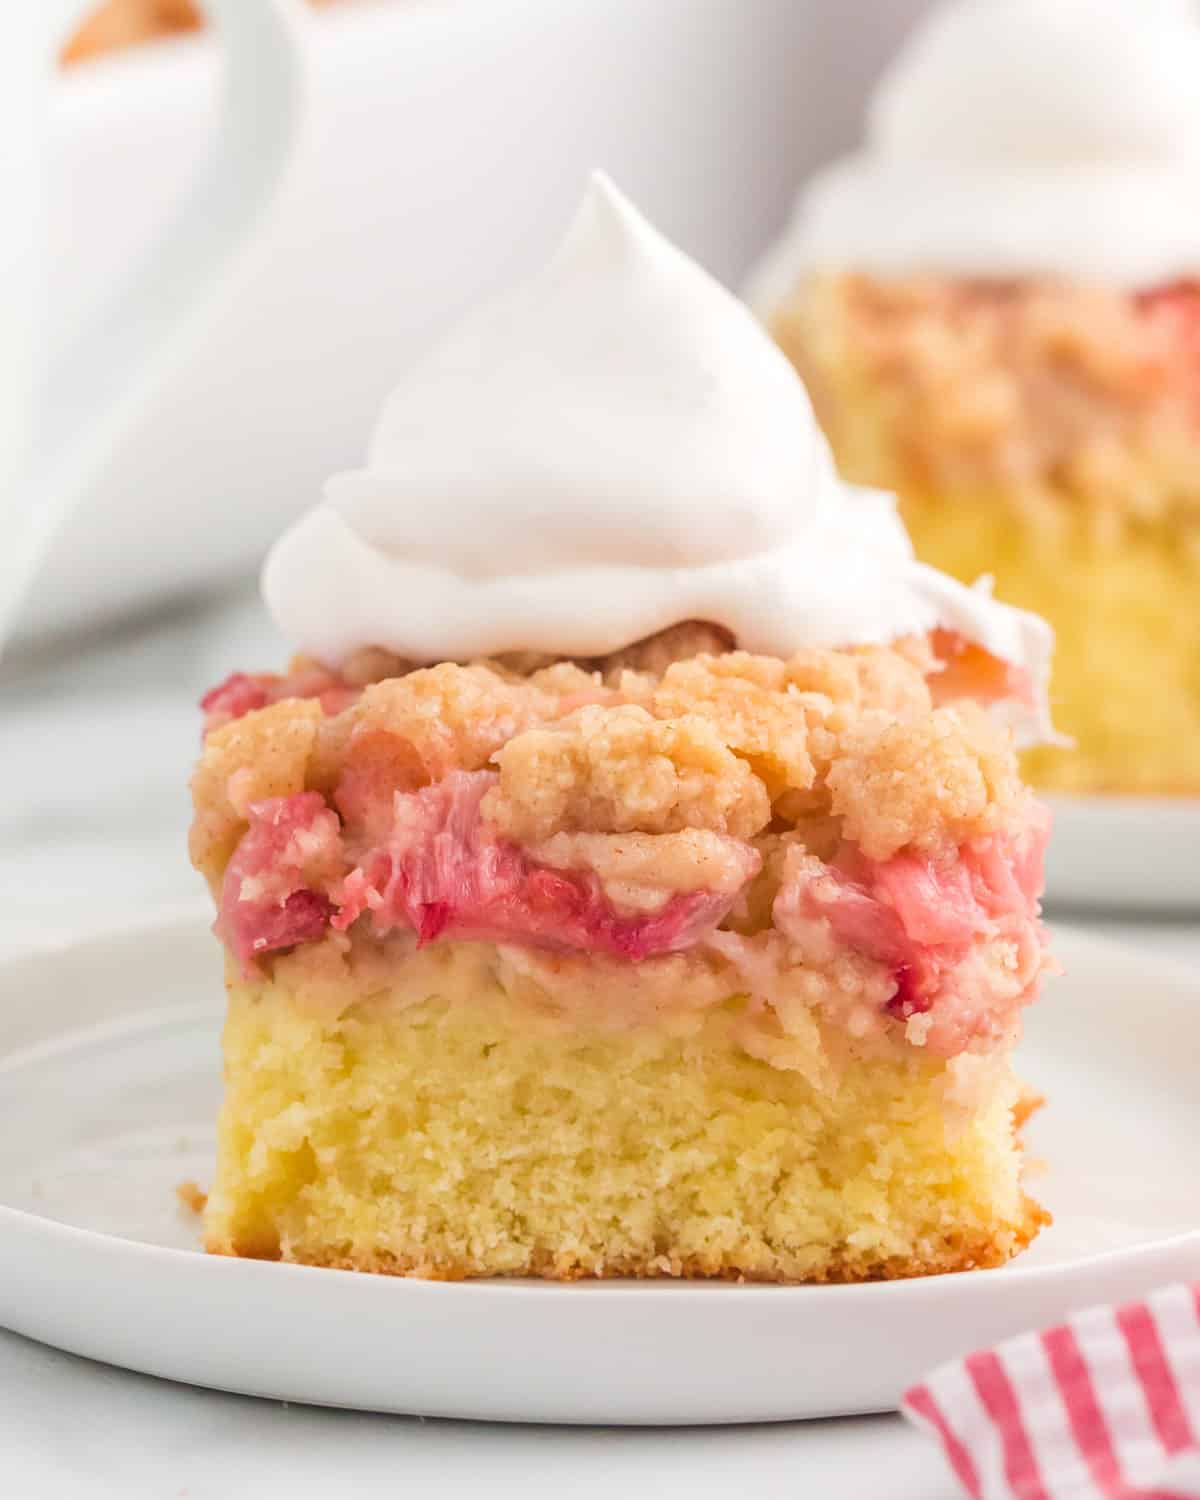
(60, 421)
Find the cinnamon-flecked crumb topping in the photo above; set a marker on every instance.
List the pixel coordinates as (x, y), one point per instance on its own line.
(620, 770)
(946, 776)
(638, 806)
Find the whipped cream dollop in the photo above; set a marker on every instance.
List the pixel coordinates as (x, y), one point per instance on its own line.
(611, 449)
(1018, 137)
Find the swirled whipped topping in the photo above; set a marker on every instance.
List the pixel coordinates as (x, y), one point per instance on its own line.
(1018, 137)
(611, 449)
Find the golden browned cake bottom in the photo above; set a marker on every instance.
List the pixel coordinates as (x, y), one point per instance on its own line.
(459, 1128)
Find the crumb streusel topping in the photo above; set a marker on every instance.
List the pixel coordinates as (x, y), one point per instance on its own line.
(772, 821)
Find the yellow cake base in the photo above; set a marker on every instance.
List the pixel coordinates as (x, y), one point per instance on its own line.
(1126, 683)
(466, 1136)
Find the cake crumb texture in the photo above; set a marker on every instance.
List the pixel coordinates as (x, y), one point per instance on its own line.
(451, 1136)
(191, 1196)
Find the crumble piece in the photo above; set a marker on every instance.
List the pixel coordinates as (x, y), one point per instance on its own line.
(641, 871)
(565, 686)
(750, 704)
(934, 781)
(891, 677)
(406, 732)
(265, 754)
(454, 717)
(619, 770)
(191, 1196)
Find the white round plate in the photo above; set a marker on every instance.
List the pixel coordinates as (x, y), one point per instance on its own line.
(109, 1079)
(1125, 853)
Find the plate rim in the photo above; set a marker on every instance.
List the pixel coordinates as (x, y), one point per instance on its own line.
(1159, 879)
(1125, 801)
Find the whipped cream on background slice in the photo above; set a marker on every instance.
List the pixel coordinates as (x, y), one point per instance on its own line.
(611, 449)
(1018, 137)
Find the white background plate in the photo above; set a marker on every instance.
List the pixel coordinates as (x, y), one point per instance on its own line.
(108, 1084)
(1125, 853)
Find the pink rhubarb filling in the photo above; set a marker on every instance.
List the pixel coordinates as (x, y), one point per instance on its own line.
(271, 896)
(242, 693)
(439, 873)
(966, 670)
(923, 919)
(958, 935)
(1174, 309)
(443, 874)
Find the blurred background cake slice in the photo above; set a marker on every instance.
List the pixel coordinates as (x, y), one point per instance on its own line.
(634, 878)
(996, 307)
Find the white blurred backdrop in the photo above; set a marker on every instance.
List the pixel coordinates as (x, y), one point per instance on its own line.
(443, 147)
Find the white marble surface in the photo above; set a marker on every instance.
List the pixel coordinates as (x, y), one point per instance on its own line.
(99, 735)
(70, 1430)
(96, 742)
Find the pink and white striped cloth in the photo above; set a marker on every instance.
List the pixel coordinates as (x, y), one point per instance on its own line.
(1104, 1407)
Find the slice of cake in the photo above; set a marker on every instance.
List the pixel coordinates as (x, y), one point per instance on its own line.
(634, 879)
(996, 307)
